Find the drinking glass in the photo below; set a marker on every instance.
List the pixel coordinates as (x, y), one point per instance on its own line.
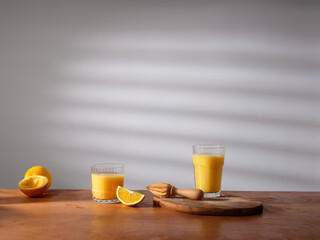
(208, 160)
(106, 177)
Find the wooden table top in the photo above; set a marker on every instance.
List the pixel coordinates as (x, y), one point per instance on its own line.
(71, 214)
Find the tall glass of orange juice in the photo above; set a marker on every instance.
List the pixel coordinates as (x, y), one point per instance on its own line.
(208, 163)
(106, 177)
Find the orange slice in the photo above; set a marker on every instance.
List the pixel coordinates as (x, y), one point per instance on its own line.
(129, 198)
(34, 185)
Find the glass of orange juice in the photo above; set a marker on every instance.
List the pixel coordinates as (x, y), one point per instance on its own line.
(208, 160)
(106, 177)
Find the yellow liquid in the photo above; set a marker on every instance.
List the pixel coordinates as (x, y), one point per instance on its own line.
(104, 185)
(208, 171)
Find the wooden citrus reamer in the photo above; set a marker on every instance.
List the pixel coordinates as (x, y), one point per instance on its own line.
(167, 190)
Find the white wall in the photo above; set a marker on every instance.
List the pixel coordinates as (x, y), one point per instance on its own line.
(139, 82)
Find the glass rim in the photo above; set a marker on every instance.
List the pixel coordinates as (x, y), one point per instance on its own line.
(111, 165)
(208, 146)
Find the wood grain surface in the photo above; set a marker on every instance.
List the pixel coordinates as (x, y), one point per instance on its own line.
(226, 205)
(71, 214)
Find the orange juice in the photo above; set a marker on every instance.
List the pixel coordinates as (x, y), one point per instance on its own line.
(104, 184)
(208, 171)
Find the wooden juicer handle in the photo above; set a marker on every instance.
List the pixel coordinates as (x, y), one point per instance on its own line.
(194, 193)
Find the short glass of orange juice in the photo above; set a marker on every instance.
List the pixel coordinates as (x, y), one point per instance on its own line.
(106, 177)
(208, 160)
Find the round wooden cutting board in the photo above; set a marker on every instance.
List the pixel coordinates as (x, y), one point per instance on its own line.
(222, 206)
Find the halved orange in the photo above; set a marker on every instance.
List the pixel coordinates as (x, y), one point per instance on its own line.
(42, 171)
(34, 185)
(129, 198)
